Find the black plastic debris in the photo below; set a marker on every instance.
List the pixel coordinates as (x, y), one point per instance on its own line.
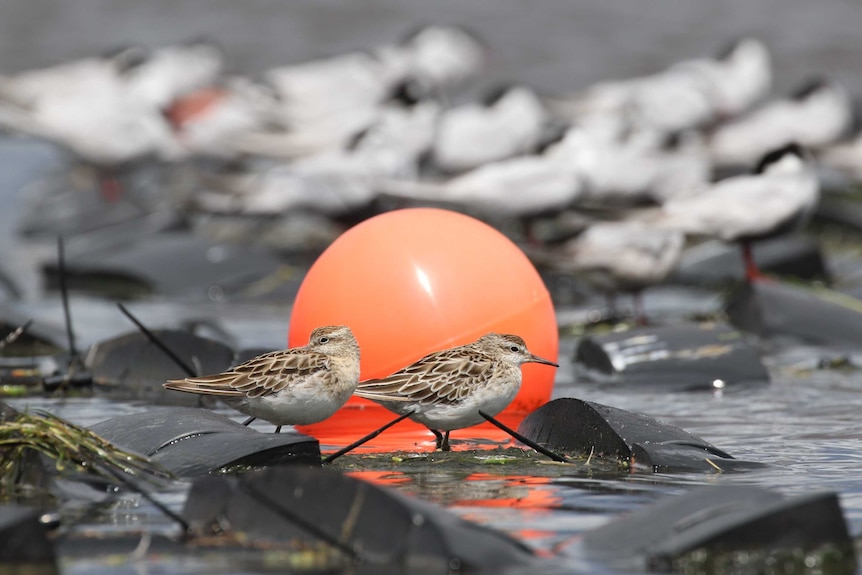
(845, 212)
(192, 442)
(37, 338)
(799, 314)
(716, 525)
(73, 203)
(372, 529)
(717, 263)
(676, 357)
(174, 264)
(24, 544)
(591, 429)
(132, 363)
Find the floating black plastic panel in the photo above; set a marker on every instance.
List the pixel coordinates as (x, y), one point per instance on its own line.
(714, 263)
(676, 357)
(795, 313)
(586, 428)
(192, 442)
(717, 520)
(378, 530)
(132, 363)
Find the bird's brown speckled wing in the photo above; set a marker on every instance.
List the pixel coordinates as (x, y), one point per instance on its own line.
(441, 377)
(263, 375)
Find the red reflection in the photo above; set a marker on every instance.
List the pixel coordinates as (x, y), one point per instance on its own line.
(361, 417)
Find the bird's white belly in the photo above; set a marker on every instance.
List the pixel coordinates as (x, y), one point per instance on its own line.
(299, 407)
(446, 417)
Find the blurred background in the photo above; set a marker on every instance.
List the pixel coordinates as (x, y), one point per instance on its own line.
(550, 44)
(196, 169)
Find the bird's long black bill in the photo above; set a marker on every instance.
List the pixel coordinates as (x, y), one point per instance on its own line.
(528, 442)
(333, 456)
(537, 359)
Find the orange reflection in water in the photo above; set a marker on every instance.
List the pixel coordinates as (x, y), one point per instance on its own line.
(361, 417)
(522, 492)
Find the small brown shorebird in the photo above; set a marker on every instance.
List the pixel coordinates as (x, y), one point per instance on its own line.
(295, 386)
(445, 390)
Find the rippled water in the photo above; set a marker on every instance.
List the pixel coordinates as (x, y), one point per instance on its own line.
(806, 426)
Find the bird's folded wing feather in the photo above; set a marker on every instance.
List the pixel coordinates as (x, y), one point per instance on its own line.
(441, 377)
(264, 375)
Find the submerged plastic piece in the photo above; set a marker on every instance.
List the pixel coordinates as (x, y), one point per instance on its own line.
(586, 428)
(132, 362)
(24, 544)
(414, 281)
(715, 263)
(387, 532)
(173, 264)
(675, 357)
(38, 335)
(707, 522)
(796, 313)
(192, 442)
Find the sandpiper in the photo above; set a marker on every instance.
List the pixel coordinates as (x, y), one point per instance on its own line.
(295, 386)
(446, 389)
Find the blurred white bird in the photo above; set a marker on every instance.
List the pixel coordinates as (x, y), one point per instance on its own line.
(326, 102)
(443, 57)
(739, 77)
(172, 71)
(686, 95)
(816, 115)
(108, 111)
(612, 257)
(780, 197)
(516, 187)
(222, 121)
(336, 182)
(627, 172)
(510, 121)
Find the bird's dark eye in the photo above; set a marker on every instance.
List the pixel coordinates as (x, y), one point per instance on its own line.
(515, 348)
(324, 339)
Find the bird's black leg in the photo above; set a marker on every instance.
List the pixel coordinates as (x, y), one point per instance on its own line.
(439, 437)
(248, 421)
(445, 445)
(278, 429)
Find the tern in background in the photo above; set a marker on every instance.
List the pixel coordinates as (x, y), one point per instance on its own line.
(510, 121)
(518, 187)
(108, 111)
(337, 182)
(780, 197)
(686, 95)
(613, 257)
(324, 103)
(816, 115)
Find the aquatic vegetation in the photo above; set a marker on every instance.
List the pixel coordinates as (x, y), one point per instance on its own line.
(71, 448)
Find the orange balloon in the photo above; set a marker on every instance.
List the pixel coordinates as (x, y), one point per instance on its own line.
(418, 280)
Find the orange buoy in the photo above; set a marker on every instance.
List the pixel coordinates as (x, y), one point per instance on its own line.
(414, 281)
